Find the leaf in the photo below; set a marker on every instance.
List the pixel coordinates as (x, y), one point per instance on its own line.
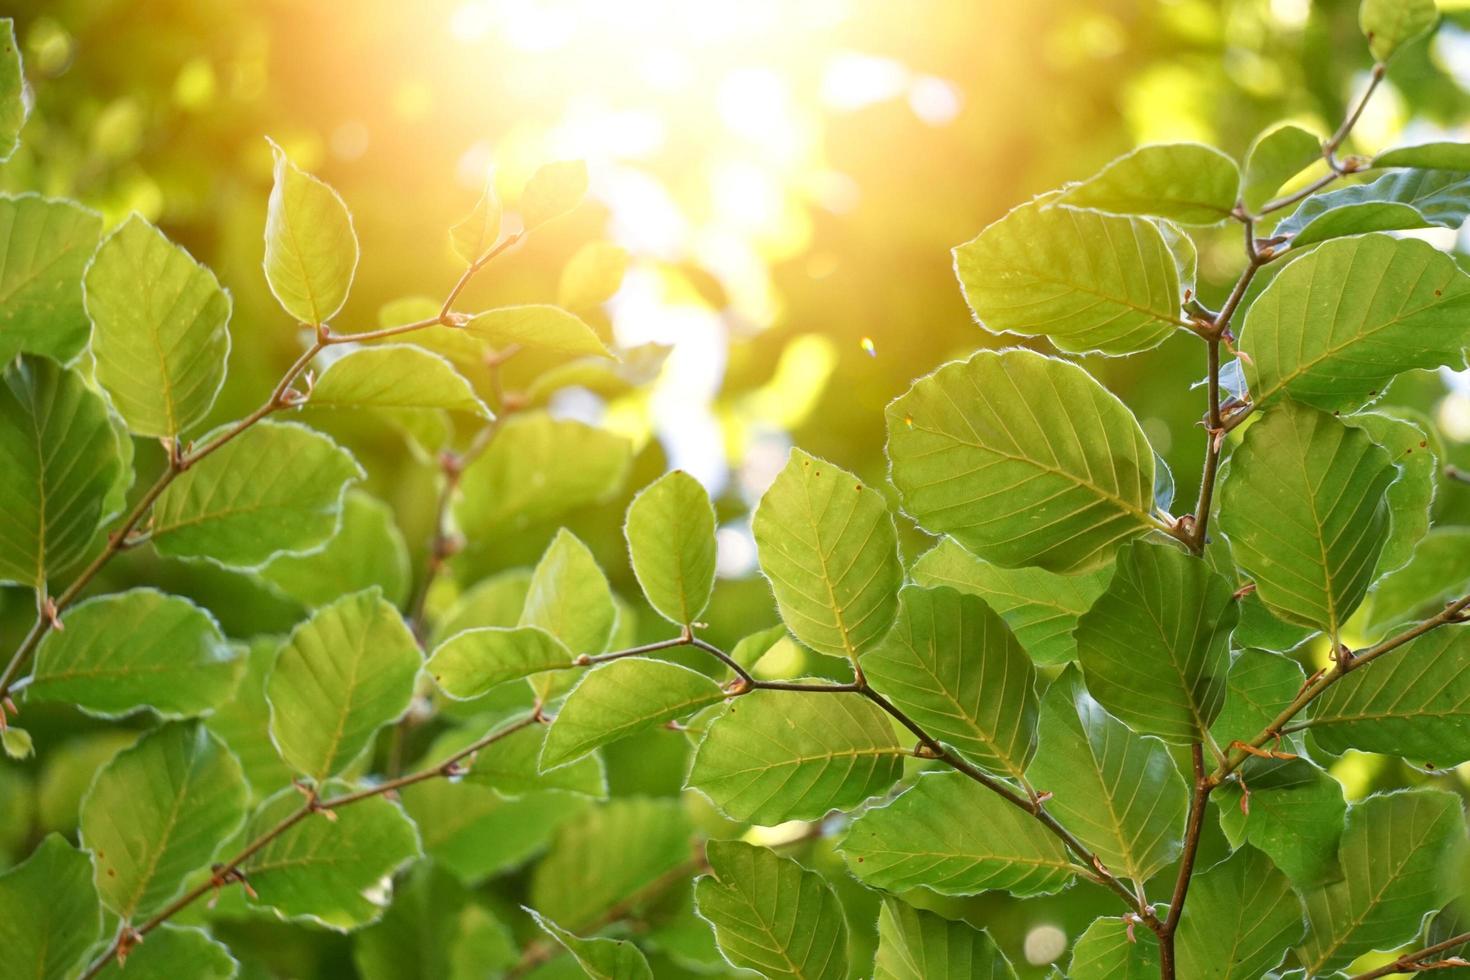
(1305, 511)
(1241, 917)
(1120, 793)
(472, 663)
(569, 596)
(1399, 200)
(1393, 857)
(395, 376)
(1413, 702)
(524, 477)
(538, 326)
(794, 755)
(367, 550)
(1186, 182)
(914, 944)
(553, 190)
(1337, 325)
(14, 99)
(1040, 607)
(494, 601)
(310, 245)
(477, 233)
(1411, 495)
(17, 743)
(1086, 281)
(1390, 24)
(136, 649)
(158, 812)
(159, 329)
(954, 836)
(828, 547)
(1295, 816)
(600, 959)
(1107, 951)
(772, 915)
(1155, 647)
(50, 915)
(1276, 156)
(671, 541)
(1439, 570)
(954, 667)
(511, 767)
(621, 698)
(329, 871)
(1431, 156)
(592, 275)
(277, 487)
(433, 931)
(44, 246)
(171, 952)
(1260, 685)
(343, 674)
(635, 367)
(1024, 459)
(59, 457)
(242, 722)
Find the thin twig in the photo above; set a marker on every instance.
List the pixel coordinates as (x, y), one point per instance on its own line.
(1415, 962)
(1330, 148)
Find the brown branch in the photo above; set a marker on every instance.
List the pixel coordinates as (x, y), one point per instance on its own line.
(1192, 833)
(1415, 962)
(1329, 150)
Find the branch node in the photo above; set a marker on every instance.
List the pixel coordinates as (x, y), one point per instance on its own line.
(738, 686)
(924, 750)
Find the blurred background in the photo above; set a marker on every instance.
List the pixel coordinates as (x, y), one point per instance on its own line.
(786, 178)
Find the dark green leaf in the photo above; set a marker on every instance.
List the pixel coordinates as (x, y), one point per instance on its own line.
(914, 944)
(600, 959)
(1241, 918)
(172, 952)
(1295, 816)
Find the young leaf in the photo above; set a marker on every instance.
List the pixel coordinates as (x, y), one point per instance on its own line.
(1305, 511)
(539, 326)
(1111, 949)
(1431, 156)
(477, 232)
(1439, 571)
(367, 550)
(1394, 852)
(1395, 305)
(158, 812)
(671, 542)
(511, 766)
(434, 930)
(50, 915)
(1086, 281)
(1190, 183)
(1399, 200)
(59, 458)
(1241, 918)
(952, 665)
(1120, 793)
(1040, 607)
(277, 487)
(44, 246)
(829, 549)
(772, 915)
(136, 649)
(788, 755)
(1155, 647)
(1294, 814)
(1412, 494)
(952, 835)
(1260, 685)
(310, 246)
(914, 944)
(171, 952)
(14, 104)
(569, 597)
(592, 275)
(1390, 24)
(472, 663)
(1024, 459)
(600, 959)
(342, 675)
(395, 376)
(552, 191)
(160, 350)
(1276, 156)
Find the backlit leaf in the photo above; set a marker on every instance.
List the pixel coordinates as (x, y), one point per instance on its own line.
(50, 915)
(44, 246)
(600, 959)
(914, 944)
(1186, 182)
(538, 326)
(1439, 571)
(569, 596)
(592, 275)
(1295, 816)
(477, 232)
(1431, 156)
(1241, 917)
(1390, 24)
(310, 246)
(511, 766)
(1276, 156)
(1409, 497)
(14, 104)
(1398, 200)
(671, 541)
(473, 662)
(395, 376)
(367, 550)
(552, 191)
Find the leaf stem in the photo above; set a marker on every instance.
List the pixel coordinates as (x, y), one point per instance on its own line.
(1193, 830)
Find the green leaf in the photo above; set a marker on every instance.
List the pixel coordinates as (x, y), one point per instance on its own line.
(954, 667)
(1086, 281)
(1305, 511)
(1295, 816)
(1276, 156)
(395, 376)
(14, 101)
(749, 651)
(17, 743)
(671, 541)
(470, 664)
(538, 326)
(158, 812)
(477, 233)
(310, 246)
(636, 367)
(136, 649)
(524, 478)
(827, 545)
(511, 767)
(592, 275)
(172, 952)
(277, 487)
(159, 329)
(954, 836)
(44, 246)
(433, 931)
(772, 915)
(1390, 24)
(621, 698)
(1432, 156)
(1040, 607)
(600, 959)
(1186, 182)
(1399, 200)
(1412, 494)
(59, 457)
(1260, 685)
(1024, 459)
(1241, 917)
(1337, 325)
(342, 675)
(1110, 950)
(794, 755)
(49, 912)
(494, 601)
(1413, 702)
(1120, 793)
(914, 944)
(1155, 647)
(367, 550)
(243, 722)
(552, 191)
(1394, 852)
(569, 596)
(1439, 570)
(329, 871)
